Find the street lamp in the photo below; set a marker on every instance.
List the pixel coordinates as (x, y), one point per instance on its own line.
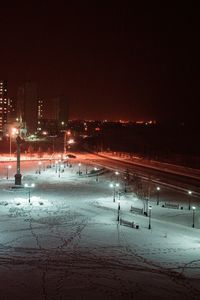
(79, 169)
(118, 209)
(32, 185)
(59, 167)
(117, 174)
(158, 194)
(193, 213)
(8, 167)
(189, 193)
(39, 167)
(114, 185)
(150, 208)
(125, 185)
(67, 157)
(97, 175)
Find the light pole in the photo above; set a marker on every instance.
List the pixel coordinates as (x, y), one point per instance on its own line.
(117, 174)
(8, 167)
(97, 176)
(67, 160)
(32, 185)
(193, 213)
(150, 216)
(114, 185)
(39, 167)
(158, 194)
(190, 194)
(79, 169)
(66, 136)
(118, 209)
(59, 167)
(125, 185)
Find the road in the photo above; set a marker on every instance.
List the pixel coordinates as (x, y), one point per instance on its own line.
(181, 181)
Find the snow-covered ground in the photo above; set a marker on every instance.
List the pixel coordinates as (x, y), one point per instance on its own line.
(67, 244)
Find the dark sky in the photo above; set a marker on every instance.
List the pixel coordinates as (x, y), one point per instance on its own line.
(113, 61)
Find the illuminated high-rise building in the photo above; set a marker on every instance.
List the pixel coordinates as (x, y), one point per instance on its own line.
(3, 104)
(40, 109)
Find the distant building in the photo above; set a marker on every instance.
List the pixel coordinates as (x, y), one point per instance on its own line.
(11, 109)
(40, 109)
(27, 106)
(55, 114)
(59, 109)
(3, 105)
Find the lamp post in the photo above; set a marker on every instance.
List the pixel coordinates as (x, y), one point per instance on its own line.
(32, 185)
(193, 214)
(150, 208)
(117, 174)
(8, 167)
(190, 194)
(118, 209)
(79, 169)
(97, 176)
(114, 185)
(125, 185)
(67, 160)
(59, 162)
(158, 194)
(18, 175)
(39, 167)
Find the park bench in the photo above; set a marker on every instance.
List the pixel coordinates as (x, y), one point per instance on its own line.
(128, 223)
(171, 205)
(136, 210)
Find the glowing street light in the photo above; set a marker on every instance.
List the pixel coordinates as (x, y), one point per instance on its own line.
(66, 137)
(190, 194)
(150, 208)
(158, 194)
(193, 213)
(71, 141)
(117, 174)
(8, 167)
(67, 158)
(97, 175)
(29, 186)
(114, 186)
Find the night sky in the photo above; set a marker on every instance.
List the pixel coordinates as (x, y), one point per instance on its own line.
(113, 60)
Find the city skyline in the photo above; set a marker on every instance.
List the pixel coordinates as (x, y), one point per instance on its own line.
(111, 61)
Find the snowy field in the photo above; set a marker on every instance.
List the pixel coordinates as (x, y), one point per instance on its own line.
(66, 243)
